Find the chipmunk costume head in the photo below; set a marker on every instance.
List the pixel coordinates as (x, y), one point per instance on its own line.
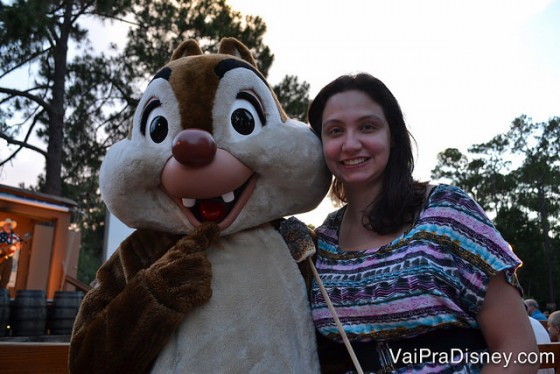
(210, 142)
(205, 283)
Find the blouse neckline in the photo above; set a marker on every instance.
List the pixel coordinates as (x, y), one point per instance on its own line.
(338, 222)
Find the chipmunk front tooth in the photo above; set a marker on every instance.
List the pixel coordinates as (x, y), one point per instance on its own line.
(188, 203)
(228, 197)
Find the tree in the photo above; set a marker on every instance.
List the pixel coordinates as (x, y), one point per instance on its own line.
(539, 178)
(516, 176)
(523, 234)
(293, 96)
(36, 34)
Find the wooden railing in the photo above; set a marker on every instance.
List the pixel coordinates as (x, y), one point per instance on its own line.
(34, 358)
(552, 362)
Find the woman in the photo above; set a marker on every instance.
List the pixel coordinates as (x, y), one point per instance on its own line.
(410, 268)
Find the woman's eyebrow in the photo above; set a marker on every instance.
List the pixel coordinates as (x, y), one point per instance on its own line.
(374, 117)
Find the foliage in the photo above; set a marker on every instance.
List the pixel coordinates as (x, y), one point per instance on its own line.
(294, 96)
(79, 101)
(516, 177)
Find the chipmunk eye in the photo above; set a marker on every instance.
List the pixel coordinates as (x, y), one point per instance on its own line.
(159, 129)
(154, 122)
(247, 117)
(243, 121)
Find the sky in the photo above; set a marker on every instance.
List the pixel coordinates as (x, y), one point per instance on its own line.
(462, 71)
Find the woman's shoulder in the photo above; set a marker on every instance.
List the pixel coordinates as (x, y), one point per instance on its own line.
(455, 199)
(446, 191)
(331, 224)
(453, 212)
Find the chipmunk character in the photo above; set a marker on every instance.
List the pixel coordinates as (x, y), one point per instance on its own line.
(205, 284)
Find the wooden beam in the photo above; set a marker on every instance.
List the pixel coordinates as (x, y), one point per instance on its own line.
(78, 284)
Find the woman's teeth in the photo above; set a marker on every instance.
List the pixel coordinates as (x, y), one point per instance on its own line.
(354, 161)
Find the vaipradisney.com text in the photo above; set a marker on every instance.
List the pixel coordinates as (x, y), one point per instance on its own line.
(456, 355)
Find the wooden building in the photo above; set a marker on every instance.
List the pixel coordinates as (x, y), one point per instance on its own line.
(49, 255)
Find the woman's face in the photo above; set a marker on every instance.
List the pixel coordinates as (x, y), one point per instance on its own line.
(356, 139)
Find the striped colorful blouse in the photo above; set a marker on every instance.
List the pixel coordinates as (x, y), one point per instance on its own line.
(433, 276)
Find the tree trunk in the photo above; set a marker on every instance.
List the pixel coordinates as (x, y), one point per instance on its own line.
(53, 179)
(545, 227)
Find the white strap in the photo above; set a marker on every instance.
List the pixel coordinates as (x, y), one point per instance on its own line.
(335, 317)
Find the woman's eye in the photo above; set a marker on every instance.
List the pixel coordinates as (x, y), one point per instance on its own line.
(334, 131)
(368, 127)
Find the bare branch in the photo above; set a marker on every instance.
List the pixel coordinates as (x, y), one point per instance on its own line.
(35, 120)
(29, 131)
(114, 18)
(11, 140)
(32, 114)
(51, 36)
(10, 97)
(26, 61)
(28, 95)
(112, 118)
(12, 156)
(81, 12)
(54, 11)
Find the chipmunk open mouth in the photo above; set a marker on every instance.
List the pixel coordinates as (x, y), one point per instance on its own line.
(222, 210)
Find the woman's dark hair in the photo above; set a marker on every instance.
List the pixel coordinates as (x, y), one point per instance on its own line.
(401, 196)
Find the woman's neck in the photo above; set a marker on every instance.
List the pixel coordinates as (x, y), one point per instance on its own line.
(359, 198)
(353, 235)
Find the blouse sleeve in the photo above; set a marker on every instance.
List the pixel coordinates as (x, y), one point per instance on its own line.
(478, 249)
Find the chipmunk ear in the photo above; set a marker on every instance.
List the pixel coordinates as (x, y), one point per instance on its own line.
(232, 46)
(187, 48)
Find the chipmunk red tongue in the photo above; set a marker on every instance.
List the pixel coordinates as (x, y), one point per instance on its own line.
(212, 210)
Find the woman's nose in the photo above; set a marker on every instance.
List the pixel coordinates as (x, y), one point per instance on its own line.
(194, 147)
(351, 143)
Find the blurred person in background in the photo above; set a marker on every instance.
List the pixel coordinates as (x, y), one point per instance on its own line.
(10, 242)
(554, 326)
(533, 310)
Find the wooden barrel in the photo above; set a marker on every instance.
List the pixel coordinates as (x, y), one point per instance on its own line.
(4, 311)
(29, 313)
(63, 311)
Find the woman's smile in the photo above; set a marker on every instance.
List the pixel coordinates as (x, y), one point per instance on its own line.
(355, 161)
